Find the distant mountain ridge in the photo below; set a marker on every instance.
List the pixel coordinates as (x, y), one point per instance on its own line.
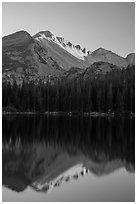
(45, 55)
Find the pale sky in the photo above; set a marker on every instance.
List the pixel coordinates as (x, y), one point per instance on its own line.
(92, 25)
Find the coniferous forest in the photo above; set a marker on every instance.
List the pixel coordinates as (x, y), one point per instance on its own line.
(113, 92)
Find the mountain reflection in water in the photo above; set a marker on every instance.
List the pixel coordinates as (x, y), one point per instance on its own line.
(43, 152)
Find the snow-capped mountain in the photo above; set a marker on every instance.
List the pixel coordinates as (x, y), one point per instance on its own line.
(72, 173)
(74, 50)
(45, 55)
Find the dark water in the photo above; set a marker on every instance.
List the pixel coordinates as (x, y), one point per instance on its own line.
(85, 158)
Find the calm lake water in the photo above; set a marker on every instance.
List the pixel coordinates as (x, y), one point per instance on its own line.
(63, 158)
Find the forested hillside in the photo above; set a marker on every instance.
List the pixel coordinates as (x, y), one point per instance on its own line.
(112, 92)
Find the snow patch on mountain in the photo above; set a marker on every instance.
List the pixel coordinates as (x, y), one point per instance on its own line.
(74, 50)
(72, 173)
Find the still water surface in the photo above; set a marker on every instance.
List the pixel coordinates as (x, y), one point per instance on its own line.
(62, 158)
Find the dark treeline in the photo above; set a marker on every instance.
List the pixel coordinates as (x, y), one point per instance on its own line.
(113, 92)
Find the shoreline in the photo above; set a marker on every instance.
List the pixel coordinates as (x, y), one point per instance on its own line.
(91, 114)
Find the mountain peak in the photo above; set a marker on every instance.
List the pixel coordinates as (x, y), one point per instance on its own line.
(44, 34)
(100, 51)
(131, 59)
(16, 38)
(74, 50)
(21, 33)
(47, 33)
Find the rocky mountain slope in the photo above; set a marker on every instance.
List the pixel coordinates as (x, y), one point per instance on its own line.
(24, 57)
(107, 56)
(131, 59)
(94, 70)
(45, 55)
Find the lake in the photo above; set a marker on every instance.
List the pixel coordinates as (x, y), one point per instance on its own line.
(68, 158)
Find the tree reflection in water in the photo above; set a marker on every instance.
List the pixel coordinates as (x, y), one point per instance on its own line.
(39, 149)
